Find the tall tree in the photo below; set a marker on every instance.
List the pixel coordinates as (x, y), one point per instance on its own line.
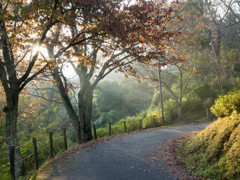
(20, 29)
(118, 35)
(25, 26)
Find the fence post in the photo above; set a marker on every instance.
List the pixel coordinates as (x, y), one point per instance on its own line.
(79, 138)
(51, 144)
(95, 132)
(125, 127)
(12, 162)
(35, 153)
(154, 122)
(110, 129)
(65, 139)
(140, 124)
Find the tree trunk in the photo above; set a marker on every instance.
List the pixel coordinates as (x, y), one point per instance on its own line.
(11, 112)
(85, 98)
(207, 113)
(217, 61)
(180, 112)
(68, 105)
(180, 95)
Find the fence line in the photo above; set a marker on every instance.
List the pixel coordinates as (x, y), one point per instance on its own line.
(51, 146)
(24, 158)
(22, 145)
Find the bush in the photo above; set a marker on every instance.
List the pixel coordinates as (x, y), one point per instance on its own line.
(226, 105)
(132, 123)
(214, 152)
(192, 109)
(170, 109)
(153, 119)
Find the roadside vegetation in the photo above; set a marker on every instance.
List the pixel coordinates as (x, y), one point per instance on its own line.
(215, 152)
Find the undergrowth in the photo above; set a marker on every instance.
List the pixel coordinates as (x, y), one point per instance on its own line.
(214, 152)
(150, 119)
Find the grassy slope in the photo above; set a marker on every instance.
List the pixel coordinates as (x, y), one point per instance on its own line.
(215, 152)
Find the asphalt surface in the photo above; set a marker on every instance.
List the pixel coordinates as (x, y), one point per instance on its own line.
(125, 158)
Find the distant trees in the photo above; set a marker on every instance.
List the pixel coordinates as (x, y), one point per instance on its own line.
(116, 100)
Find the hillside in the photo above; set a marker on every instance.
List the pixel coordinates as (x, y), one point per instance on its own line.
(214, 152)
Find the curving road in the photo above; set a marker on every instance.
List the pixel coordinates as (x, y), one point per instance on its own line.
(131, 157)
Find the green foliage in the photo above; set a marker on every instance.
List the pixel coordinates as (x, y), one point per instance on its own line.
(192, 108)
(153, 119)
(208, 103)
(156, 99)
(214, 152)
(132, 123)
(116, 100)
(105, 117)
(233, 55)
(170, 109)
(227, 104)
(4, 160)
(27, 150)
(214, 86)
(204, 91)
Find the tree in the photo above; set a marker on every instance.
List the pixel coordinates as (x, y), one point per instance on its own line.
(20, 30)
(230, 6)
(25, 26)
(117, 36)
(175, 81)
(208, 27)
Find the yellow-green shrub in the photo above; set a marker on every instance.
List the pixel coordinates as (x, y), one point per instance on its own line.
(227, 104)
(153, 119)
(215, 151)
(132, 124)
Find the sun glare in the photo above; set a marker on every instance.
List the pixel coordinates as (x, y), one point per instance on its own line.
(42, 50)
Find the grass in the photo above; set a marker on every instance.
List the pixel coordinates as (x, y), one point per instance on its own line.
(214, 152)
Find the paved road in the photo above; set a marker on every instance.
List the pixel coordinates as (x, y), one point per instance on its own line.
(126, 158)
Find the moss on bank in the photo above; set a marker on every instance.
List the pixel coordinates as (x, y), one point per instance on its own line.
(214, 152)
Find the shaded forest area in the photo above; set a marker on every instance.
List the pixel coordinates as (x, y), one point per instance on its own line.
(71, 64)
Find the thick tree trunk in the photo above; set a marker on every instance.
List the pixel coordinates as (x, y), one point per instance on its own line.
(11, 112)
(68, 105)
(85, 98)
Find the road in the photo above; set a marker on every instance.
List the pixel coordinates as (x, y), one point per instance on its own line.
(130, 157)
